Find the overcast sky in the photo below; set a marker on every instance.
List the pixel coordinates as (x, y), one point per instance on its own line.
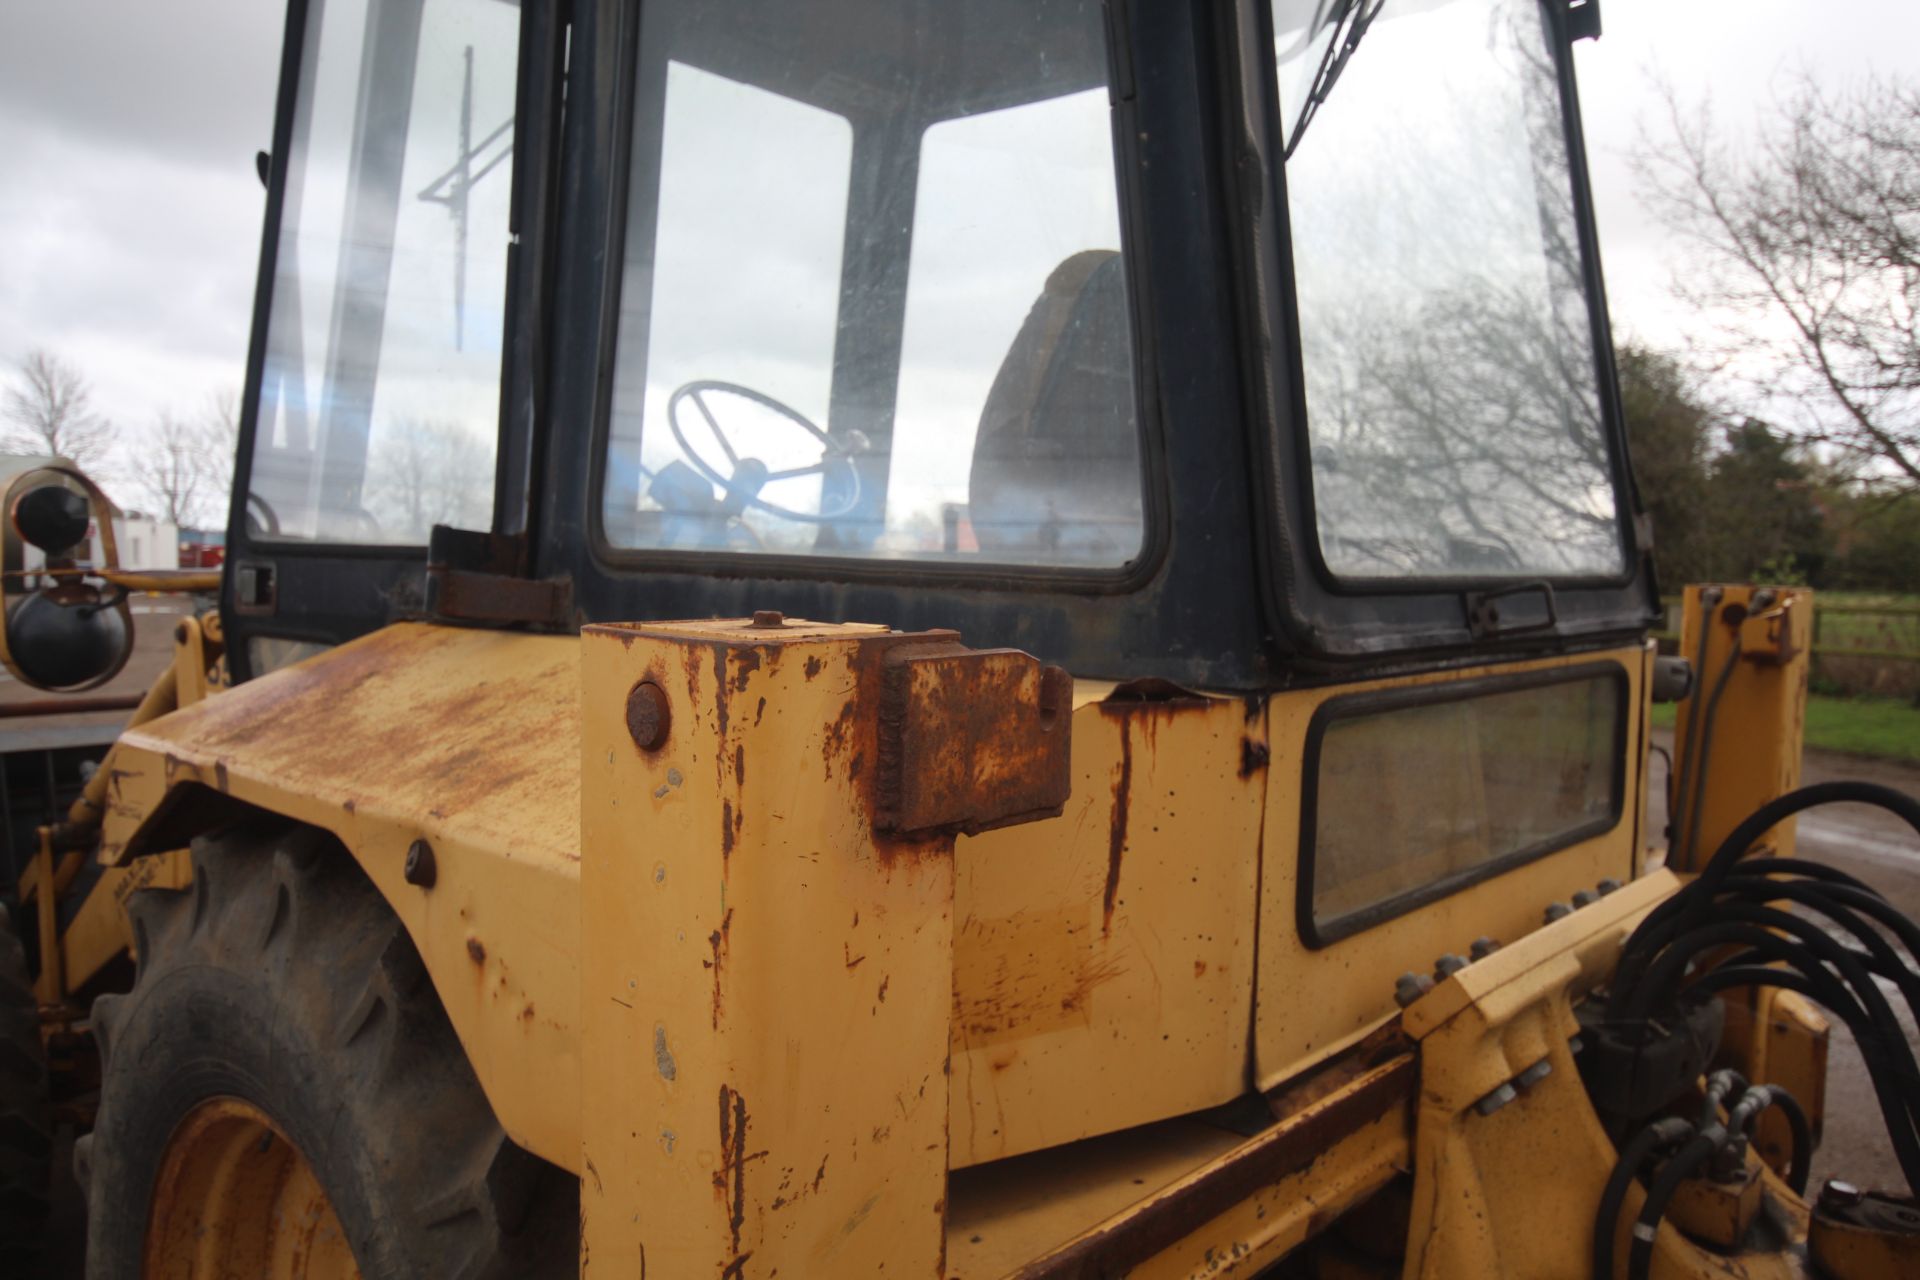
(130, 213)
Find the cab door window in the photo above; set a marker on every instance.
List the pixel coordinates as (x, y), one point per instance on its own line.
(380, 392)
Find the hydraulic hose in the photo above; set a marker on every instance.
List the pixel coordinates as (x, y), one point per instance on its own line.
(1646, 1228)
(1688, 780)
(1690, 850)
(1696, 899)
(1895, 1106)
(1794, 925)
(1748, 1110)
(1880, 957)
(1659, 1134)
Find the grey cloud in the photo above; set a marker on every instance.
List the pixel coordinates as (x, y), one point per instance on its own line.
(192, 80)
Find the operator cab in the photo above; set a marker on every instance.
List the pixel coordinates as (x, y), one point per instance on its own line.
(1224, 347)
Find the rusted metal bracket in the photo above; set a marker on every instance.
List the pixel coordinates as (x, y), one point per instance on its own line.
(482, 577)
(1768, 633)
(970, 739)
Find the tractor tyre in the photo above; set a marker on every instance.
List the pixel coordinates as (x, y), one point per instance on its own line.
(282, 1093)
(26, 1126)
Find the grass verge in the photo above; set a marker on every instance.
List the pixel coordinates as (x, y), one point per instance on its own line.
(1886, 728)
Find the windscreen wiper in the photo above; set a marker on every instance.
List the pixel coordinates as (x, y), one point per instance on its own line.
(1350, 26)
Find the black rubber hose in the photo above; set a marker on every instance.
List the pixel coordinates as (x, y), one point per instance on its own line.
(1768, 815)
(1661, 1133)
(1692, 846)
(1692, 899)
(1879, 957)
(1695, 899)
(1800, 1130)
(1756, 1101)
(1895, 1107)
(1752, 926)
(1666, 970)
(1882, 1041)
(1646, 1227)
(1843, 889)
(1688, 788)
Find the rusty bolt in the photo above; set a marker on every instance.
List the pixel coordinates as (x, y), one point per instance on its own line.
(768, 618)
(1448, 965)
(1500, 1097)
(1585, 898)
(1410, 987)
(1607, 886)
(1558, 911)
(420, 869)
(1482, 948)
(1840, 1195)
(647, 715)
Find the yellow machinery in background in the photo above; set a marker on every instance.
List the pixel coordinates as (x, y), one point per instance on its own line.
(1119, 748)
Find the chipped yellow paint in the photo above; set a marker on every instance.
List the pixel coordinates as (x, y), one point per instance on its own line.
(468, 739)
(765, 979)
(698, 978)
(1103, 962)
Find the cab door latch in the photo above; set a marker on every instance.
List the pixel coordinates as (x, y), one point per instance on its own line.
(1487, 617)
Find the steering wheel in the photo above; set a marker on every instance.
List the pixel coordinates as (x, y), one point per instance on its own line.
(750, 475)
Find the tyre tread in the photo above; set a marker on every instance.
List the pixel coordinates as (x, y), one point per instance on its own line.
(26, 1122)
(286, 906)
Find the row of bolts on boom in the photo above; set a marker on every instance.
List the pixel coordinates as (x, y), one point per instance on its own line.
(1411, 986)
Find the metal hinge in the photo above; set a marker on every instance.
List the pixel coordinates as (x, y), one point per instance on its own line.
(1583, 20)
(482, 577)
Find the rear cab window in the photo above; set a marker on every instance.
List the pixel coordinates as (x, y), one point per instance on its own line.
(1414, 794)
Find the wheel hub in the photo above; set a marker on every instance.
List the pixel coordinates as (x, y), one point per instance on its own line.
(235, 1197)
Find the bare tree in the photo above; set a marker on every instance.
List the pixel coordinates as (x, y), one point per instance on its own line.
(219, 424)
(184, 467)
(424, 473)
(48, 410)
(1809, 246)
(168, 470)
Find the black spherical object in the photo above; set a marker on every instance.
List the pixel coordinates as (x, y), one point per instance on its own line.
(52, 517)
(57, 644)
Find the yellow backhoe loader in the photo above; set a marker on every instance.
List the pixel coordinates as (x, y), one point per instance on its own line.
(994, 638)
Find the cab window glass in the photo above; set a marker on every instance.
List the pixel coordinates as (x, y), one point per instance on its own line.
(1411, 802)
(873, 301)
(379, 401)
(1453, 406)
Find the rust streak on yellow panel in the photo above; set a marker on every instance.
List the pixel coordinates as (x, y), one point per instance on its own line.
(765, 978)
(1103, 960)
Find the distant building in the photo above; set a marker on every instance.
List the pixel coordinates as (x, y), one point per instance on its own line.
(143, 541)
